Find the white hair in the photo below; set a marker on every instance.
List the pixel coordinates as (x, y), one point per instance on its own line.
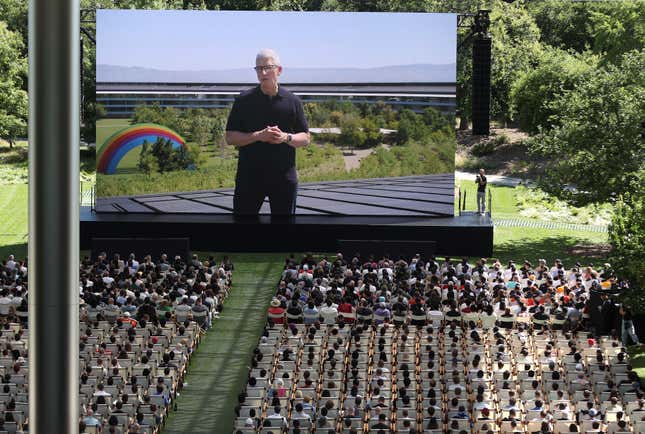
(268, 54)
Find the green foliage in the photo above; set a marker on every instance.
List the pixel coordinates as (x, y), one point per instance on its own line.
(13, 98)
(482, 149)
(13, 166)
(597, 145)
(320, 163)
(533, 91)
(192, 157)
(162, 151)
(564, 24)
(201, 129)
(410, 159)
(201, 125)
(627, 238)
(372, 132)
(218, 128)
(501, 139)
(618, 27)
(317, 114)
(351, 134)
(610, 28)
(412, 127)
(437, 121)
(147, 113)
(14, 14)
(147, 161)
(171, 118)
(516, 49)
(162, 157)
(535, 203)
(220, 175)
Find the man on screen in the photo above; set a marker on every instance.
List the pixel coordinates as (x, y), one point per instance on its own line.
(267, 124)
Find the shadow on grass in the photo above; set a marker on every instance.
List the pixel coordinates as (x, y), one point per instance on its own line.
(88, 160)
(550, 248)
(637, 360)
(17, 250)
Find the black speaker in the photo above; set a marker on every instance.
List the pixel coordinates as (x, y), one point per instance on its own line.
(481, 85)
(141, 247)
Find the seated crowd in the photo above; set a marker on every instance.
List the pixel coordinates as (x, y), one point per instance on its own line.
(386, 346)
(139, 324)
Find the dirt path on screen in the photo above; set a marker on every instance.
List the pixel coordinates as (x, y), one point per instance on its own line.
(353, 158)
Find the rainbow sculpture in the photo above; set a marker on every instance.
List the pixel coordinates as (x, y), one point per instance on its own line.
(121, 142)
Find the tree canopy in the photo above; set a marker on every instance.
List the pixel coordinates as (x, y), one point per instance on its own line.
(13, 97)
(596, 143)
(533, 91)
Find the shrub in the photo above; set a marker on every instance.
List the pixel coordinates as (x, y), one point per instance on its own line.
(501, 139)
(483, 148)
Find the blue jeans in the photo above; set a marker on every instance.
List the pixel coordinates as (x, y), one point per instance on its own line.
(629, 332)
(481, 202)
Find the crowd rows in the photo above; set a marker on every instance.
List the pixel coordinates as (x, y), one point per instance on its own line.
(423, 346)
(140, 321)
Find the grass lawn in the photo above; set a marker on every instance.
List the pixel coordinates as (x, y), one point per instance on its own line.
(517, 243)
(13, 163)
(13, 215)
(637, 359)
(520, 243)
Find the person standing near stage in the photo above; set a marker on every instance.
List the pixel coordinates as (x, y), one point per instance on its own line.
(627, 327)
(481, 192)
(267, 124)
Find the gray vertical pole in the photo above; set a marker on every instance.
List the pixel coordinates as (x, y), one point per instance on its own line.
(53, 216)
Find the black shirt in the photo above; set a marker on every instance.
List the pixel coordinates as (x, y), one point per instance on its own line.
(254, 111)
(481, 185)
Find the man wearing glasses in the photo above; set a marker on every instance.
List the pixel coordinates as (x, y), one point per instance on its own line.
(267, 124)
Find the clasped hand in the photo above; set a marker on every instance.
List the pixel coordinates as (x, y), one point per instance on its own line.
(273, 134)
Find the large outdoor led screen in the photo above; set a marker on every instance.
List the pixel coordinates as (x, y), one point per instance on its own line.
(373, 95)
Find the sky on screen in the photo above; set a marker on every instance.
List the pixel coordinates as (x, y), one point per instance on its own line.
(199, 40)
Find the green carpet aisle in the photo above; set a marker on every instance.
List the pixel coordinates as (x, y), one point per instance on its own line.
(220, 366)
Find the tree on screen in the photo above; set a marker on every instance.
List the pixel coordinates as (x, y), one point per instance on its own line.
(147, 161)
(351, 134)
(162, 151)
(437, 121)
(411, 127)
(200, 128)
(372, 132)
(218, 128)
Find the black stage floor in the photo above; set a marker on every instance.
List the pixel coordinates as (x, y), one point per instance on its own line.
(427, 196)
(413, 210)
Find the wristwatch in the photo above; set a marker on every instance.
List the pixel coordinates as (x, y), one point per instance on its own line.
(289, 137)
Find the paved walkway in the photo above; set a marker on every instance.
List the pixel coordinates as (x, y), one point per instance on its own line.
(219, 367)
(493, 179)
